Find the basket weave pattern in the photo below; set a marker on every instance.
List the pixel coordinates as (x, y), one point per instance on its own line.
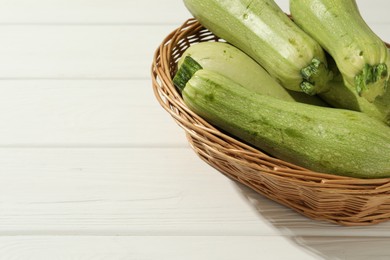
(342, 200)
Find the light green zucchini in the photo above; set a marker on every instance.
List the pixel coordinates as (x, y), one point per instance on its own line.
(341, 96)
(231, 62)
(265, 33)
(340, 29)
(328, 140)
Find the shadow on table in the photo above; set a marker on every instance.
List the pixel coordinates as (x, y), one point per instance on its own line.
(322, 239)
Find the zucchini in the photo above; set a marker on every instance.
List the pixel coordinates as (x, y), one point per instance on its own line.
(265, 33)
(340, 29)
(341, 96)
(324, 139)
(235, 64)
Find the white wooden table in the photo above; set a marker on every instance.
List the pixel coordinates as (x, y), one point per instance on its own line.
(91, 167)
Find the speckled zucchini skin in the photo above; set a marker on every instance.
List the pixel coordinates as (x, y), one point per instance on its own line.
(322, 139)
(340, 29)
(341, 96)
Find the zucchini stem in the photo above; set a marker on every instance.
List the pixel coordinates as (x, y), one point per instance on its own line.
(185, 72)
(308, 88)
(315, 77)
(372, 81)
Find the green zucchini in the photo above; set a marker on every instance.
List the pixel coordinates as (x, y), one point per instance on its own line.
(340, 29)
(323, 139)
(265, 33)
(341, 96)
(235, 64)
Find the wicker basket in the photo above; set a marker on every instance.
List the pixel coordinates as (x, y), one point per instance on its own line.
(342, 200)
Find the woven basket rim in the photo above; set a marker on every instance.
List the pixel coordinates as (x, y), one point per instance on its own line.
(227, 147)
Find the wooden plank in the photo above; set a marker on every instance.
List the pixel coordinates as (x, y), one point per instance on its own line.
(130, 12)
(193, 247)
(147, 247)
(70, 113)
(92, 12)
(81, 52)
(139, 192)
(360, 248)
(85, 52)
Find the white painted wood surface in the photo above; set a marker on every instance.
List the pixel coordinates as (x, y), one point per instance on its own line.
(91, 167)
